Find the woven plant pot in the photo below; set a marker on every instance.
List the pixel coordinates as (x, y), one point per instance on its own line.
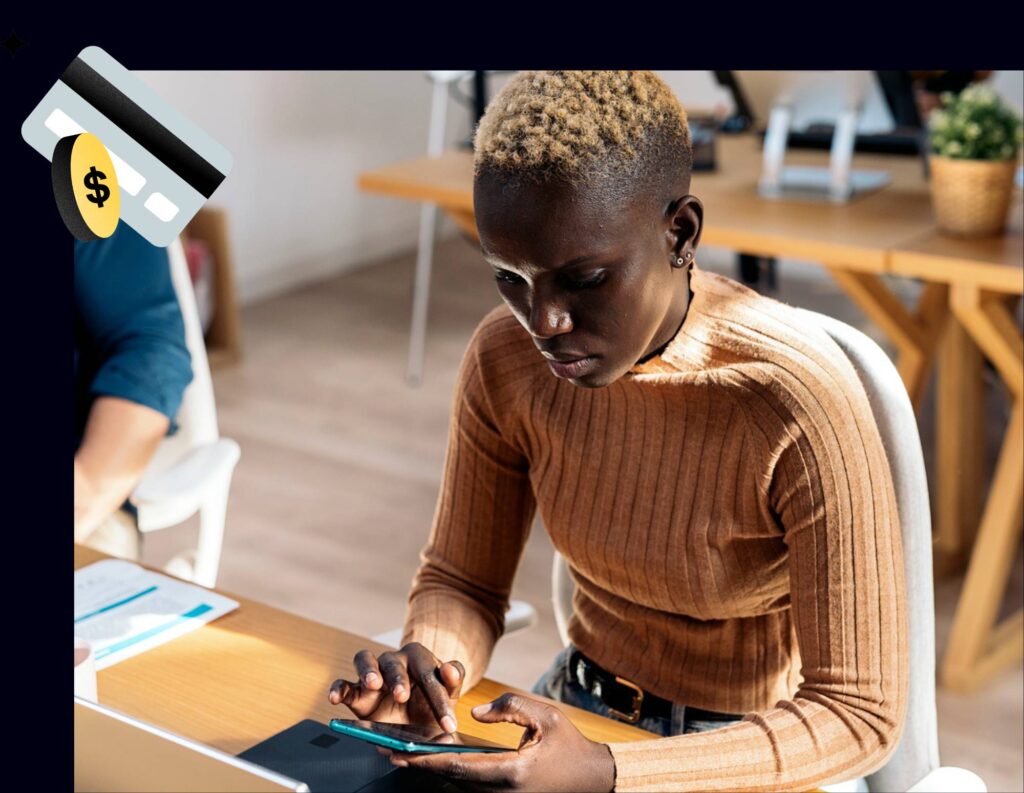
(971, 197)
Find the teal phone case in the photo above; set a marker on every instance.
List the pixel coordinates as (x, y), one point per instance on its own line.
(405, 746)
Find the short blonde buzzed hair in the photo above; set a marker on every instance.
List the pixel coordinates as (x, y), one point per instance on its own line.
(585, 126)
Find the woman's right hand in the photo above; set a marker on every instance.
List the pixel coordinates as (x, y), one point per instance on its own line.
(406, 686)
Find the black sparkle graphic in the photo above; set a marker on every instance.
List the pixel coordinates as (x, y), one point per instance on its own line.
(13, 43)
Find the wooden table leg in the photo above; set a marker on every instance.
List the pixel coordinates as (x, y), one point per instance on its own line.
(978, 647)
(960, 449)
(224, 337)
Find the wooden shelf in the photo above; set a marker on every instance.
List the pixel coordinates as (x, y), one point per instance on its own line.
(224, 337)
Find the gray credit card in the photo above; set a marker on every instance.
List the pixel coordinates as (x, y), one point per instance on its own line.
(166, 166)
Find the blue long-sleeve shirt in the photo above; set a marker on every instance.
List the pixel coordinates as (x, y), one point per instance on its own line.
(129, 334)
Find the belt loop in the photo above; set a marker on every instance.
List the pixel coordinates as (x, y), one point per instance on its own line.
(572, 669)
(678, 719)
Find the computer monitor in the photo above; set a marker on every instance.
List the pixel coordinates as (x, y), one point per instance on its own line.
(115, 752)
(786, 101)
(817, 97)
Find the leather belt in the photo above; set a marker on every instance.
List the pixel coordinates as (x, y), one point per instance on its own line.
(624, 698)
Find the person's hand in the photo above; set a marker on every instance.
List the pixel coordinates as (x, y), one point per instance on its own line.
(406, 686)
(552, 755)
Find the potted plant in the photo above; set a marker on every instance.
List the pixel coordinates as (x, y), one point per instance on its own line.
(975, 139)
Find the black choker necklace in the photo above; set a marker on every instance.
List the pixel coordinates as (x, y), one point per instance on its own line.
(664, 346)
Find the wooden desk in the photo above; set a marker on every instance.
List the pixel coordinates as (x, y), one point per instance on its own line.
(985, 279)
(258, 670)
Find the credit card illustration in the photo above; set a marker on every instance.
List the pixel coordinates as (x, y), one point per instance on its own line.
(166, 165)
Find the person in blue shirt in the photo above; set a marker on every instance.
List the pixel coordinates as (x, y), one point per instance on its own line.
(131, 370)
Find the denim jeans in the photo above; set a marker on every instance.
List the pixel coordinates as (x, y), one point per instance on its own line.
(554, 684)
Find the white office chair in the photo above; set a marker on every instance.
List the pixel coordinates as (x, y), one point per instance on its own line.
(914, 765)
(191, 470)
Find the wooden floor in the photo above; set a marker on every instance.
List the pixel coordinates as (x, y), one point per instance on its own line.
(341, 463)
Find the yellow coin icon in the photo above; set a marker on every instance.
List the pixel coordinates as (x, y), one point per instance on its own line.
(85, 186)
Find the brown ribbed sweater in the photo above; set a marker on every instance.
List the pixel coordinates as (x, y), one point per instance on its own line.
(727, 511)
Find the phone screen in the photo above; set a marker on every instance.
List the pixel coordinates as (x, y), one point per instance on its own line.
(413, 737)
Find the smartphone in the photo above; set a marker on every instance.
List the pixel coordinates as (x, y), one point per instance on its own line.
(412, 737)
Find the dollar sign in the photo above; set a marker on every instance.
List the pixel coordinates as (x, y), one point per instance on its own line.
(92, 182)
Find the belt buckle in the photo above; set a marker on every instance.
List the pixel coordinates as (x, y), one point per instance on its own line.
(638, 701)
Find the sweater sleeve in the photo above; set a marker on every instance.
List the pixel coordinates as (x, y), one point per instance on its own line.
(481, 522)
(829, 487)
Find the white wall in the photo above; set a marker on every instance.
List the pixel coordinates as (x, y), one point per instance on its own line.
(1010, 86)
(299, 140)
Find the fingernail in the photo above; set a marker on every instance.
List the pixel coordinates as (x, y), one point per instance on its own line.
(372, 678)
(398, 761)
(480, 710)
(399, 690)
(448, 724)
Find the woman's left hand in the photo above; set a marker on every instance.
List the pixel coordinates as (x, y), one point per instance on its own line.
(553, 755)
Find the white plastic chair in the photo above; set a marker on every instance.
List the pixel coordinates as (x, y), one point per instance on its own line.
(191, 470)
(442, 82)
(914, 765)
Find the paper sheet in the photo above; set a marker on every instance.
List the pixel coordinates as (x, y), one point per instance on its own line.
(124, 609)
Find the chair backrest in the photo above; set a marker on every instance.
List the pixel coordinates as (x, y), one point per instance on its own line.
(197, 416)
(917, 754)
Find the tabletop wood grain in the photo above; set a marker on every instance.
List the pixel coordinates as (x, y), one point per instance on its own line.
(258, 670)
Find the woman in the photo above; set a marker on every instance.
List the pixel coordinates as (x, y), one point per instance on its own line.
(706, 462)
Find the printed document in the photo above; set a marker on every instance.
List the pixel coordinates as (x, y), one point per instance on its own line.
(123, 609)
